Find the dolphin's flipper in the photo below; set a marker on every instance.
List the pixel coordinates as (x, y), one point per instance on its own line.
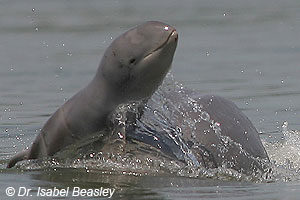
(18, 157)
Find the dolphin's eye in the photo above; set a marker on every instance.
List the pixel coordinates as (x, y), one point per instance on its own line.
(132, 60)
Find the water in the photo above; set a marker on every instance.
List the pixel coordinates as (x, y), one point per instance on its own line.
(246, 51)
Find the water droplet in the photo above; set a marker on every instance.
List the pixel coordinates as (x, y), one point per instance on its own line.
(285, 126)
(166, 28)
(259, 72)
(207, 53)
(33, 9)
(45, 44)
(121, 136)
(204, 116)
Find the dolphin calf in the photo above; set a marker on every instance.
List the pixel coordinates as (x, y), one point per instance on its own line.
(131, 69)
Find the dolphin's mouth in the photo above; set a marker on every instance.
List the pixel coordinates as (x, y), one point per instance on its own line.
(173, 34)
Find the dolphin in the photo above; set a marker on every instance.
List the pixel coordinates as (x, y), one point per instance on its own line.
(131, 69)
(199, 130)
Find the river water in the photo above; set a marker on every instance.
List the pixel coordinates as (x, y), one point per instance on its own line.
(244, 50)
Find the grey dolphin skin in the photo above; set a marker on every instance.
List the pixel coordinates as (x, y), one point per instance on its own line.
(208, 131)
(228, 136)
(132, 68)
(243, 149)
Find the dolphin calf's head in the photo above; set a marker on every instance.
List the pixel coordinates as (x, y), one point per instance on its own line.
(137, 61)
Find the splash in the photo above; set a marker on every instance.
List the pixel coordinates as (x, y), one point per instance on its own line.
(285, 155)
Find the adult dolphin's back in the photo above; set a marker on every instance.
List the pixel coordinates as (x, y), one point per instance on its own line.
(132, 68)
(208, 131)
(229, 136)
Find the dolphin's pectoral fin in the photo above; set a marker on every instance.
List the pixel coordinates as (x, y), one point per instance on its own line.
(23, 155)
(38, 149)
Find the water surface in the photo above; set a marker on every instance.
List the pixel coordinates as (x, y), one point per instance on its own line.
(246, 51)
